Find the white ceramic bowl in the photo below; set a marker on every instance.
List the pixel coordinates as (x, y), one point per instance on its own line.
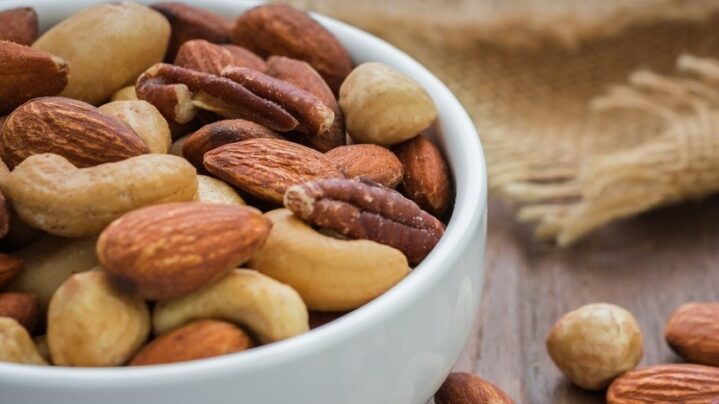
(397, 349)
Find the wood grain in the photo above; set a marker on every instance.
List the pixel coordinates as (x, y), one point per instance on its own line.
(649, 264)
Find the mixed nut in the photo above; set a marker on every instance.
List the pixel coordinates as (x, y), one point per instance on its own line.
(180, 185)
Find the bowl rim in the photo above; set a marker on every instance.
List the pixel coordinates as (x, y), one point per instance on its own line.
(469, 210)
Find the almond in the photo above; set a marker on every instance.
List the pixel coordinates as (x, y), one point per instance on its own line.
(196, 340)
(20, 306)
(193, 23)
(19, 25)
(460, 388)
(688, 384)
(286, 31)
(26, 73)
(426, 175)
(9, 268)
(220, 133)
(72, 129)
(693, 332)
(369, 161)
(266, 168)
(170, 250)
(207, 57)
(4, 216)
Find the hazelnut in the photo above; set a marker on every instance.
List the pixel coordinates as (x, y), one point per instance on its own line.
(383, 106)
(595, 344)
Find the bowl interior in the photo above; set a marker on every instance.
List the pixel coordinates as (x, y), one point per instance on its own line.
(453, 132)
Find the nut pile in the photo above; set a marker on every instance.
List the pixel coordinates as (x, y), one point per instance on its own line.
(177, 185)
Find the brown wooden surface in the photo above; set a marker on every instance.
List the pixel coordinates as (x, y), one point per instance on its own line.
(648, 264)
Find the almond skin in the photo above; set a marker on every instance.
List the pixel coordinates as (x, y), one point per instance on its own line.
(189, 23)
(170, 250)
(266, 168)
(286, 31)
(369, 161)
(20, 306)
(26, 73)
(426, 175)
(72, 129)
(693, 332)
(683, 383)
(197, 340)
(207, 57)
(466, 388)
(9, 268)
(220, 133)
(19, 25)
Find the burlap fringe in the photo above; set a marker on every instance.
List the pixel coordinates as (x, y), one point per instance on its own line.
(679, 162)
(513, 23)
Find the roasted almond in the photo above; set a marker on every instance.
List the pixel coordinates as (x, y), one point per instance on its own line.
(286, 31)
(220, 133)
(369, 161)
(426, 175)
(20, 306)
(207, 57)
(10, 267)
(266, 168)
(302, 75)
(189, 23)
(170, 250)
(26, 73)
(197, 340)
(688, 384)
(466, 388)
(72, 129)
(4, 216)
(693, 332)
(19, 25)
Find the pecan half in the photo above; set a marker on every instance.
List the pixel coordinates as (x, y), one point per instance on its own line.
(207, 57)
(361, 209)
(19, 25)
(189, 23)
(266, 168)
(309, 110)
(302, 75)
(177, 92)
(220, 133)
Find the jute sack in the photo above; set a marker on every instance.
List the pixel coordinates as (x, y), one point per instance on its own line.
(569, 166)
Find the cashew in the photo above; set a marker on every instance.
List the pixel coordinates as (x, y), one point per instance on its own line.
(51, 194)
(330, 274)
(145, 119)
(49, 261)
(271, 310)
(125, 94)
(16, 345)
(92, 324)
(212, 190)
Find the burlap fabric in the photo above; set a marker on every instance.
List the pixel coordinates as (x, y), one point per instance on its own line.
(570, 163)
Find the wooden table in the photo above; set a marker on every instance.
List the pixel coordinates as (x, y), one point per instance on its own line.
(649, 265)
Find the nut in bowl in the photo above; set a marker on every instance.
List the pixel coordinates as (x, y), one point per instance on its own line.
(297, 228)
